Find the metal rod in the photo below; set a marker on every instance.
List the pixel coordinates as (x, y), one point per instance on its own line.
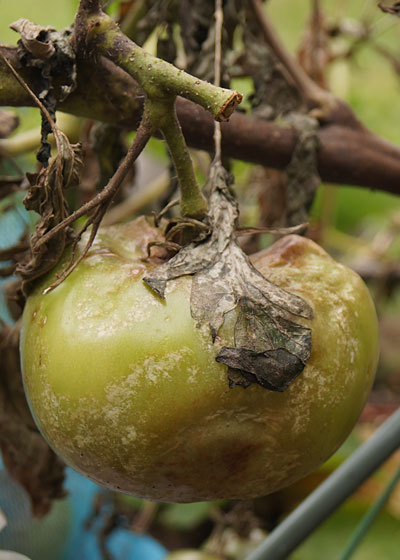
(370, 516)
(331, 493)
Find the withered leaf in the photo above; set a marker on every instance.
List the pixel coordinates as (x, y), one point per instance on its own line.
(34, 38)
(26, 455)
(274, 95)
(269, 347)
(46, 197)
(303, 178)
(52, 53)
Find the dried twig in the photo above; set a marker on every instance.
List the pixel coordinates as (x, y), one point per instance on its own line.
(313, 94)
(219, 20)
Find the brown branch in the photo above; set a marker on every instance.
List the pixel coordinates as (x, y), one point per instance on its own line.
(349, 153)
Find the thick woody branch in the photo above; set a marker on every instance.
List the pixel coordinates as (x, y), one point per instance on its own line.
(349, 154)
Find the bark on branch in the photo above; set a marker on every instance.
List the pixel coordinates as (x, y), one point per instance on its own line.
(349, 153)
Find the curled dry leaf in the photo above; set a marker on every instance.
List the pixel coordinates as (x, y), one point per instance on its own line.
(270, 348)
(26, 455)
(50, 52)
(34, 38)
(46, 197)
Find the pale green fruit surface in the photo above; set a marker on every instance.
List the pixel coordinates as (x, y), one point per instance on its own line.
(126, 389)
(190, 555)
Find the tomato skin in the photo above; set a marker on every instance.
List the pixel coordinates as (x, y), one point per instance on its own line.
(191, 555)
(127, 391)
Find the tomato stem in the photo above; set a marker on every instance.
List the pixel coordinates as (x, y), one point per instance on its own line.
(162, 82)
(157, 77)
(192, 202)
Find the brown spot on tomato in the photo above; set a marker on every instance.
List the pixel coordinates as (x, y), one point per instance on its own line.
(236, 456)
(290, 249)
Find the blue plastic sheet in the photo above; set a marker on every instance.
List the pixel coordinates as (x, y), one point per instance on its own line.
(13, 224)
(63, 534)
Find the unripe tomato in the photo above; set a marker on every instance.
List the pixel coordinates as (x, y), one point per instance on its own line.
(126, 389)
(190, 555)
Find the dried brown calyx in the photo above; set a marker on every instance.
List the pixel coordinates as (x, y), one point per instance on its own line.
(270, 348)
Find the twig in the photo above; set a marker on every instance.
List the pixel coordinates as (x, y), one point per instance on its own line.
(162, 82)
(219, 20)
(145, 517)
(164, 210)
(42, 108)
(139, 199)
(143, 135)
(313, 94)
(271, 230)
(59, 137)
(95, 222)
(31, 94)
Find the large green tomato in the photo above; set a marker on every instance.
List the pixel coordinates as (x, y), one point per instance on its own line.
(126, 389)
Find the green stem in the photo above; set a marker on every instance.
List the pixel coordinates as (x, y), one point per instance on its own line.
(157, 77)
(162, 82)
(163, 116)
(370, 517)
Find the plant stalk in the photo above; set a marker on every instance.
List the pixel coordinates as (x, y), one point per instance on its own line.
(158, 78)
